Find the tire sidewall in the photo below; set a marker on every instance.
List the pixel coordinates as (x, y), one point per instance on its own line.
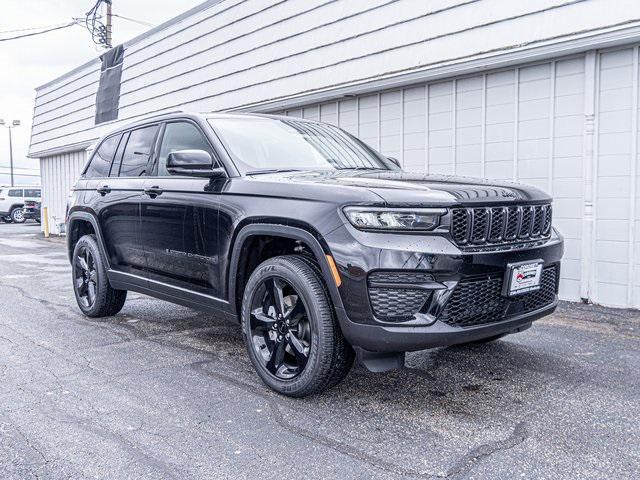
(90, 244)
(13, 218)
(312, 371)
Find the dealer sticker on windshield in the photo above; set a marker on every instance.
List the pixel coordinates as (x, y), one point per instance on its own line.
(522, 277)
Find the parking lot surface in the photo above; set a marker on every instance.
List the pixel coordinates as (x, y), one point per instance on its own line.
(162, 391)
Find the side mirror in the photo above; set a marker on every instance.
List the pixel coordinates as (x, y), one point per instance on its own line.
(194, 163)
(395, 161)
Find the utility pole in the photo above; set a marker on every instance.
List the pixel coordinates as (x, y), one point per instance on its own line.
(108, 2)
(10, 157)
(15, 123)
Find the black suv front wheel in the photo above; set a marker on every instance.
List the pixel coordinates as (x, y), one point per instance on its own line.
(94, 294)
(289, 327)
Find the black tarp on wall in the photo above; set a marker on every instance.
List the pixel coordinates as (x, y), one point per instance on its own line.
(108, 96)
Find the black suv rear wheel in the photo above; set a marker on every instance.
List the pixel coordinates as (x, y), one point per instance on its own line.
(289, 328)
(94, 294)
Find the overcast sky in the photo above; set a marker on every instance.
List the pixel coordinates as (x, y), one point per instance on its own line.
(30, 62)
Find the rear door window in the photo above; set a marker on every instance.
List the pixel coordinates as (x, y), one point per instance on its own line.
(137, 152)
(15, 192)
(115, 166)
(101, 160)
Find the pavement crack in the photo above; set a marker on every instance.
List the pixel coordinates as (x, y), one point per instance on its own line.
(338, 446)
(519, 434)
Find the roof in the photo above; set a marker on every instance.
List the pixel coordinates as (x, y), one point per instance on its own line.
(200, 116)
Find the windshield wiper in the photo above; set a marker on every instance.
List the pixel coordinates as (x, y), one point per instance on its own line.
(272, 170)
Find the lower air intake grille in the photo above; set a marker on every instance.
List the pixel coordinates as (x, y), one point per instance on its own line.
(477, 302)
(393, 299)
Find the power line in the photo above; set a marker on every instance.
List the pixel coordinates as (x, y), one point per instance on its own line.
(32, 28)
(67, 25)
(133, 20)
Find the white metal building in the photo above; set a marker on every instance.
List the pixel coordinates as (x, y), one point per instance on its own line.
(545, 92)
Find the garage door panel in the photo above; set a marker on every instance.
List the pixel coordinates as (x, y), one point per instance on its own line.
(569, 105)
(569, 84)
(618, 121)
(569, 188)
(534, 109)
(569, 226)
(569, 126)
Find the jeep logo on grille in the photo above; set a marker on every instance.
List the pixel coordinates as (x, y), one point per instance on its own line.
(507, 194)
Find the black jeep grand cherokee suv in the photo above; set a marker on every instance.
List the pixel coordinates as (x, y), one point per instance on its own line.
(321, 247)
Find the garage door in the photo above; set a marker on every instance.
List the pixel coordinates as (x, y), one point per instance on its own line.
(616, 240)
(524, 124)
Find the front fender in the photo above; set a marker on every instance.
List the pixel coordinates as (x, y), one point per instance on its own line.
(286, 231)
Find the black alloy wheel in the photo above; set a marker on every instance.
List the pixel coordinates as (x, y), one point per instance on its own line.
(94, 294)
(280, 328)
(85, 277)
(290, 329)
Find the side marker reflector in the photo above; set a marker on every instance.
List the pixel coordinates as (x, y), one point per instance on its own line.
(334, 271)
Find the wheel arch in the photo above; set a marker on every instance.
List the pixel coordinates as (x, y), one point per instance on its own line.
(76, 228)
(249, 232)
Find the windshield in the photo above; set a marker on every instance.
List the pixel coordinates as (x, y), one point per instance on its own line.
(267, 144)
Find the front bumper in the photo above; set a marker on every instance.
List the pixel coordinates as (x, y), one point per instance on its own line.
(358, 254)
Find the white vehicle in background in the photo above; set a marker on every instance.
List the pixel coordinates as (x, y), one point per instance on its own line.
(12, 200)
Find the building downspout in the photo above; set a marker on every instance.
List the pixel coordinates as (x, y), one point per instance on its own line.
(588, 166)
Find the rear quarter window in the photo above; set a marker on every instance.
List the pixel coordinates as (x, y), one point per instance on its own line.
(32, 193)
(100, 163)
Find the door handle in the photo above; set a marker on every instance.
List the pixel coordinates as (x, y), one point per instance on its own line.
(153, 192)
(103, 190)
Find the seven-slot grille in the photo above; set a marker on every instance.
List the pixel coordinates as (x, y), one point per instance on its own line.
(477, 226)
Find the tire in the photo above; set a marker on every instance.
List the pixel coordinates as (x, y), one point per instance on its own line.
(95, 296)
(6, 219)
(328, 356)
(17, 215)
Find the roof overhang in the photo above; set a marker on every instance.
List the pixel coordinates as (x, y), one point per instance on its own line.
(75, 147)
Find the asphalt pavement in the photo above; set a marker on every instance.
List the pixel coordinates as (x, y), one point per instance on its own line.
(163, 391)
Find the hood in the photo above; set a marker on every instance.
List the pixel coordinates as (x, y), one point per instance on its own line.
(397, 187)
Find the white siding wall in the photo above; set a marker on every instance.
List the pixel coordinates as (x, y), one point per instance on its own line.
(617, 245)
(242, 54)
(59, 173)
(523, 124)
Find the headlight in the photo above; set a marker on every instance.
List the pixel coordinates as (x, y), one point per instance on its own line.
(413, 219)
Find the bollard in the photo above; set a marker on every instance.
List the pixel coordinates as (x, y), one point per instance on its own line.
(45, 221)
